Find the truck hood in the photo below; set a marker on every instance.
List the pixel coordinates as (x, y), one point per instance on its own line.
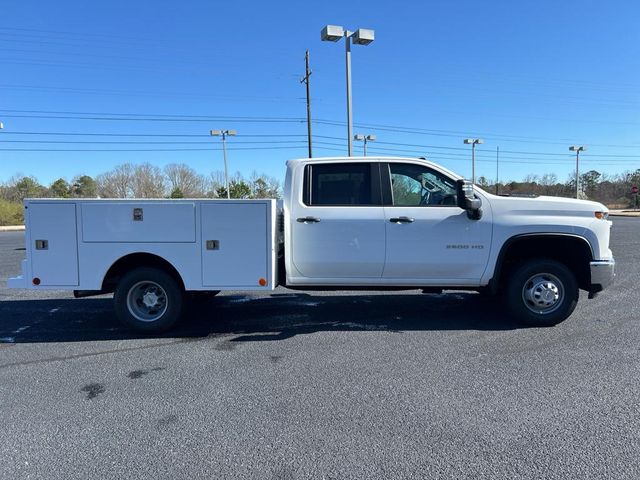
(543, 205)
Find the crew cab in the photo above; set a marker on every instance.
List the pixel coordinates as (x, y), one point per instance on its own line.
(344, 223)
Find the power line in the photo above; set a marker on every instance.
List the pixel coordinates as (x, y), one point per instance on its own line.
(266, 135)
(181, 117)
(481, 153)
(146, 149)
(148, 93)
(154, 115)
(139, 119)
(76, 142)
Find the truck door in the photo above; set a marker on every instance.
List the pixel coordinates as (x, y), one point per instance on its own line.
(428, 236)
(337, 225)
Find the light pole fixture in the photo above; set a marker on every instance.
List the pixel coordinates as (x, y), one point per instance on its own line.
(577, 149)
(364, 138)
(362, 36)
(473, 142)
(224, 134)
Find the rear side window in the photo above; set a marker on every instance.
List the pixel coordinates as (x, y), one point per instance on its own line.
(338, 184)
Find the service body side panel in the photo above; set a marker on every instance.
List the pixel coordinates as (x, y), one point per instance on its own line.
(236, 246)
(53, 227)
(87, 237)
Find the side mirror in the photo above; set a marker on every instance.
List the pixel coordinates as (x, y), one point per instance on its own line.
(468, 201)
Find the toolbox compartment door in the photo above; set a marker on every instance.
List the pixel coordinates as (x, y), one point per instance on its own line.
(235, 244)
(54, 243)
(137, 222)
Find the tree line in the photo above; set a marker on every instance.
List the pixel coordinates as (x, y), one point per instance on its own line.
(611, 190)
(144, 181)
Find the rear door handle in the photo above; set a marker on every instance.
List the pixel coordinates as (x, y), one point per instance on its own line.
(308, 220)
(402, 220)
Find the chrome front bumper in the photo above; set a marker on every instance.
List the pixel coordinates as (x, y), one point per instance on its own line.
(602, 274)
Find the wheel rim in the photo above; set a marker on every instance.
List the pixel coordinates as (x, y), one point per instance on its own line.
(543, 293)
(147, 301)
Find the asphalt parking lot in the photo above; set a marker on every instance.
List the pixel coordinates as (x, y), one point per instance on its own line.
(308, 385)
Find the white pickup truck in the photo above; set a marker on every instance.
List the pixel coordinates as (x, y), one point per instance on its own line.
(345, 223)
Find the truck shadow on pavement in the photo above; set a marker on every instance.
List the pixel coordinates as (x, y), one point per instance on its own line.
(256, 318)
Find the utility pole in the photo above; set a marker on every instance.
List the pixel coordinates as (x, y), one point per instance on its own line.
(305, 80)
(497, 163)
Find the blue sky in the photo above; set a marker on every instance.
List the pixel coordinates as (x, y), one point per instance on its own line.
(529, 77)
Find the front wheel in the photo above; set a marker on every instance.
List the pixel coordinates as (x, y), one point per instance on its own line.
(542, 293)
(148, 300)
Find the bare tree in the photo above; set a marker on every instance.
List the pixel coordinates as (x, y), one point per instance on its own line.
(117, 183)
(185, 181)
(548, 182)
(148, 182)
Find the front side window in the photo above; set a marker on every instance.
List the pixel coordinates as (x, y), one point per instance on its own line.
(416, 185)
(339, 184)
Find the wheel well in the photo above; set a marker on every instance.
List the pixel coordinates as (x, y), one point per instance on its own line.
(133, 261)
(574, 252)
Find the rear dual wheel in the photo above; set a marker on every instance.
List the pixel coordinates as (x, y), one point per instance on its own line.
(148, 300)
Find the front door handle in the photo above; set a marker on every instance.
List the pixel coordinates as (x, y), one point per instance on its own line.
(402, 220)
(308, 220)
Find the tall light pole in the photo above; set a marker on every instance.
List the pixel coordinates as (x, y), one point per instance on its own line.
(223, 134)
(577, 149)
(364, 138)
(473, 142)
(362, 36)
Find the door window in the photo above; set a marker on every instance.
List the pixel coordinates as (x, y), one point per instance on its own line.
(338, 184)
(416, 185)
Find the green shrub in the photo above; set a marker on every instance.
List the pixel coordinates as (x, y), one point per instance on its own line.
(11, 213)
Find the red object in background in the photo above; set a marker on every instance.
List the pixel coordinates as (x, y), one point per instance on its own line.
(634, 190)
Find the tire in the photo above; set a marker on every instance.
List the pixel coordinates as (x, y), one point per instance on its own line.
(148, 300)
(542, 293)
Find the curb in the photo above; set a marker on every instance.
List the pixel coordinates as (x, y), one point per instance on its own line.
(14, 228)
(624, 213)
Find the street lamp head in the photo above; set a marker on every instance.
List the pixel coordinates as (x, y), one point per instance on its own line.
(577, 148)
(1, 126)
(363, 36)
(371, 138)
(332, 33)
(359, 137)
(467, 141)
(479, 141)
(232, 133)
(473, 141)
(215, 132)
